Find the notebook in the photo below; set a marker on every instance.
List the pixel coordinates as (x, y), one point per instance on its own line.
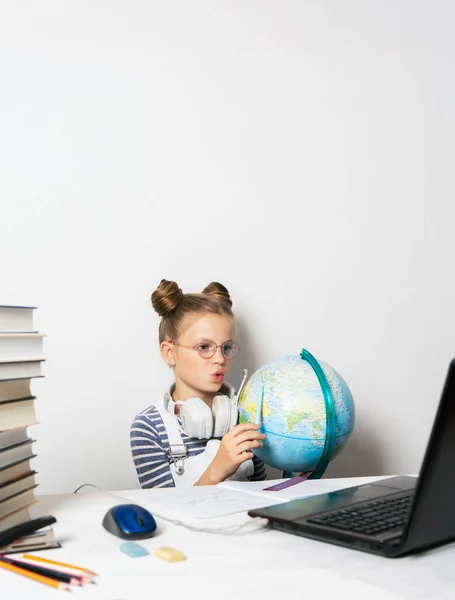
(393, 517)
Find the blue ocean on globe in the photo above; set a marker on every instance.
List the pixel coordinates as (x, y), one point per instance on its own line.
(293, 412)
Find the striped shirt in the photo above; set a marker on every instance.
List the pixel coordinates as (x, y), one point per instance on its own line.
(150, 449)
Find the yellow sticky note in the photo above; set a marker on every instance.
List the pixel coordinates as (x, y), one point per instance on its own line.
(169, 554)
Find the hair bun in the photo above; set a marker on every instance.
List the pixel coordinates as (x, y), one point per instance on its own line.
(218, 290)
(166, 297)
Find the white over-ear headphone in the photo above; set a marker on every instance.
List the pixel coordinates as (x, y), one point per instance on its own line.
(202, 422)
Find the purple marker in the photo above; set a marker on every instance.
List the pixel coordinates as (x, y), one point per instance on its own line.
(285, 484)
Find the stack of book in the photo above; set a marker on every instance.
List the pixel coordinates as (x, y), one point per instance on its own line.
(21, 357)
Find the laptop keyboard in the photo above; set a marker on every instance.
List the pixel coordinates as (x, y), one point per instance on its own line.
(370, 519)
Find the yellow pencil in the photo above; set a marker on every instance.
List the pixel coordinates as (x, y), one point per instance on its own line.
(60, 564)
(35, 576)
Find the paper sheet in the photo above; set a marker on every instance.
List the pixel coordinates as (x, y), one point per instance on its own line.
(305, 489)
(230, 497)
(204, 502)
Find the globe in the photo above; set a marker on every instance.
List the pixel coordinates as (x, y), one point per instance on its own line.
(305, 408)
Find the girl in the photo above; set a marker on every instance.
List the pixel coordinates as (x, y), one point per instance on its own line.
(192, 436)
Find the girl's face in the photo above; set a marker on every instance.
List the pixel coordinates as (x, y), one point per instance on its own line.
(196, 376)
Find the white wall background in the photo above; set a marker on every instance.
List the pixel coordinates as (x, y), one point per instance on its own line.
(300, 152)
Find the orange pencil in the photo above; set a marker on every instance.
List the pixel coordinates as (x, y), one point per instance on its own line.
(35, 576)
(59, 564)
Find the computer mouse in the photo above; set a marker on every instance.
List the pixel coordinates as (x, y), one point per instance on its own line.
(129, 522)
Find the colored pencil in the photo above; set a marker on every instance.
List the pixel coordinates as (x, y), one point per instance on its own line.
(35, 576)
(81, 577)
(58, 564)
(44, 571)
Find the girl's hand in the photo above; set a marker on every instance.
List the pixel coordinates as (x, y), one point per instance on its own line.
(235, 448)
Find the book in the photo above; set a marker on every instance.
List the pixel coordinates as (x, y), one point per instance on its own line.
(13, 437)
(21, 358)
(16, 413)
(11, 455)
(20, 369)
(15, 486)
(16, 517)
(10, 389)
(15, 470)
(19, 500)
(16, 318)
(20, 346)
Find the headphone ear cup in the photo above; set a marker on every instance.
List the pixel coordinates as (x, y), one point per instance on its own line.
(225, 415)
(196, 418)
(234, 414)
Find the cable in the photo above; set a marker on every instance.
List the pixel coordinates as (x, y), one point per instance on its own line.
(259, 523)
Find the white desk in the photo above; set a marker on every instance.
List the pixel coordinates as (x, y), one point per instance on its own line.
(253, 565)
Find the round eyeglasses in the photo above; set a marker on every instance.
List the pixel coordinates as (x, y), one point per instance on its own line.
(208, 349)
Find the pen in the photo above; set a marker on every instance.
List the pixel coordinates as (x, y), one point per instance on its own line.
(34, 576)
(58, 564)
(44, 571)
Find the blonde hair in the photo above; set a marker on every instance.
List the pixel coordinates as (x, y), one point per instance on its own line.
(173, 306)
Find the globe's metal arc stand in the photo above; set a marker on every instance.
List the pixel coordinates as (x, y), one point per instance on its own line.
(330, 422)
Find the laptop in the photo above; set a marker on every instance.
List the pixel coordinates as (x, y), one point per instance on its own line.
(394, 517)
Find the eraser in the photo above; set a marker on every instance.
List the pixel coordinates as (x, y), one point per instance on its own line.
(169, 554)
(132, 549)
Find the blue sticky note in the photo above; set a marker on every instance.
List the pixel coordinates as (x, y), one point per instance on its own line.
(132, 549)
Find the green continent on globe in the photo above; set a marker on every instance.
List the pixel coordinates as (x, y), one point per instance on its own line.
(293, 414)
